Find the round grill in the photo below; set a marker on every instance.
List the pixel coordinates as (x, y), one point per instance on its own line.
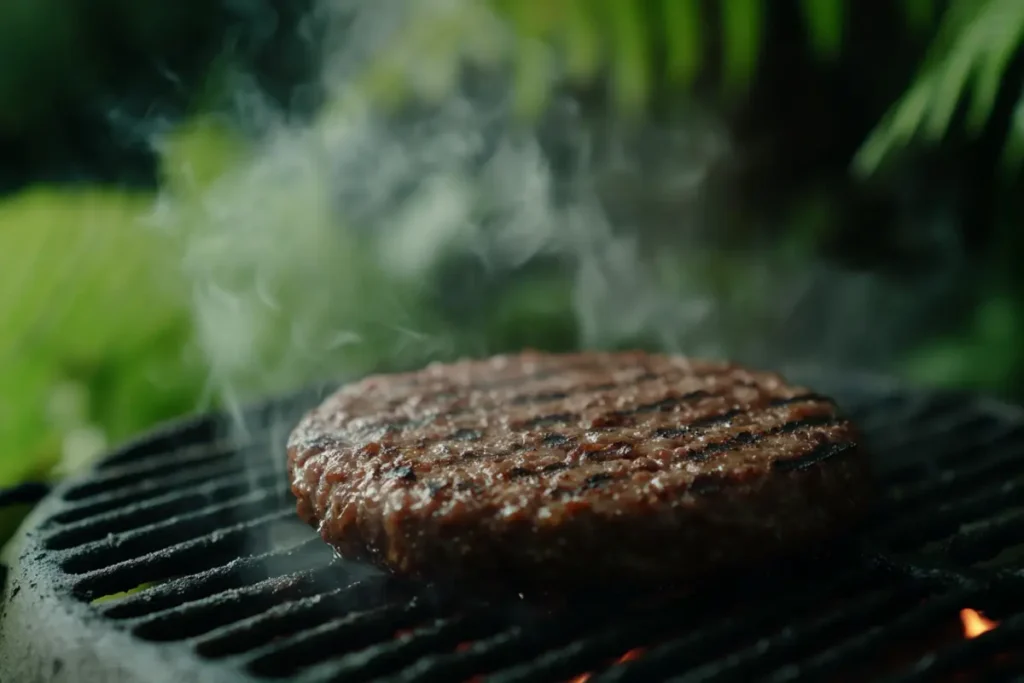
(180, 558)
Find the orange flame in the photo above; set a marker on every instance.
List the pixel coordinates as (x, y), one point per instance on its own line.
(631, 655)
(626, 657)
(974, 623)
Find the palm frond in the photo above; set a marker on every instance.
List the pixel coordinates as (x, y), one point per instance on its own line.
(970, 55)
(583, 40)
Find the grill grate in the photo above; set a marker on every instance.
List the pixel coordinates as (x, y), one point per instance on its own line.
(224, 584)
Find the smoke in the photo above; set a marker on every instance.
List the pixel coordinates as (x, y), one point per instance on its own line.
(386, 231)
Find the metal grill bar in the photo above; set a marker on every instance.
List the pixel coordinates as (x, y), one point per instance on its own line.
(150, 511)
(520, 642)
(252, 633)
(153, 468)
(235, 574)
(196, 555)
(985, 539)
(382, 659)
(351, 632)
(152, 537)
(201, 616)
(788, 644)
(950, 480)
(1006, 641)
(960, 448)
(932, 523)
(722, 636)
(839, 657)
(142, 491)
(212, 525)
(198, 431)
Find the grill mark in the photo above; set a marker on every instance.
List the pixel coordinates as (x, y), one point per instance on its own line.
(693, 429)
(611, 419)
(739, 440)
(666, 404)
(525, 472)
(620, 450)
(557, 440)
(663, 405)
(801, 398)
(698, 426)
(748, 437)
(819, 454)
(624, 418)
(670, 432)
(404, 473)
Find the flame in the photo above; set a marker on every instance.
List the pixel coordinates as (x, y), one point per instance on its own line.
(974, 623)
(626, 657)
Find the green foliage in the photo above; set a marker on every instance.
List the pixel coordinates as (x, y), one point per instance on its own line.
(968, 61)
(625, 39)
(986, 355)
(94, 327)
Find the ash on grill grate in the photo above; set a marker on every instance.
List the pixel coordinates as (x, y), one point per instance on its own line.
(214, 579)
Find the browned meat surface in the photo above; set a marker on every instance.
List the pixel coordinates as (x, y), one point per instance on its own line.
(574, 469)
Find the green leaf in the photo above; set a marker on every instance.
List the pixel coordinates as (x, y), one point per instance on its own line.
(85, 283)
(582, 41)
(629, 65)
(920, 14)
(683, 24)
(825, 25)
(969, 55)
(741, 40)
(1004, 29)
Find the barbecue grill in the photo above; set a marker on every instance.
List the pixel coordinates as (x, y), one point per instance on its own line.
(180, 558)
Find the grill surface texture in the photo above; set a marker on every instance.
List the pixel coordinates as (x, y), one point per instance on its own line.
(180, 558)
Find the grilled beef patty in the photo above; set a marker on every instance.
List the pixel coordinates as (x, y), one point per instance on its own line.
(573, 469)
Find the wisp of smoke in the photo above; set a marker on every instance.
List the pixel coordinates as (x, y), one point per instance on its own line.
(314, 255)
(317, 256)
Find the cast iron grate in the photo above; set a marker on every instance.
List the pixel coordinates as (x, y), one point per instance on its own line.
(235, 588)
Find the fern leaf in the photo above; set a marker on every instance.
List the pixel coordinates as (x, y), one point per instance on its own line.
(629, 42)
(825, 20)
(741, 40)
(582, 41)
(683, 21)
(920, 14)
(969, 57)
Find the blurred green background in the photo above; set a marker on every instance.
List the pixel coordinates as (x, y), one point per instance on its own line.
(860, 127)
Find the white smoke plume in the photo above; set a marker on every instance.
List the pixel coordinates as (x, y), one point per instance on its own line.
(324, 252)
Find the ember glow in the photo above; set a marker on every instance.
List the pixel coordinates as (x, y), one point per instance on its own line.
(629, 656)
(974, 623)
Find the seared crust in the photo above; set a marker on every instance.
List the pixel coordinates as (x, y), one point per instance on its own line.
(575, 469)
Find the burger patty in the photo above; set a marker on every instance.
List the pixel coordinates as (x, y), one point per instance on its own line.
(573, 469)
